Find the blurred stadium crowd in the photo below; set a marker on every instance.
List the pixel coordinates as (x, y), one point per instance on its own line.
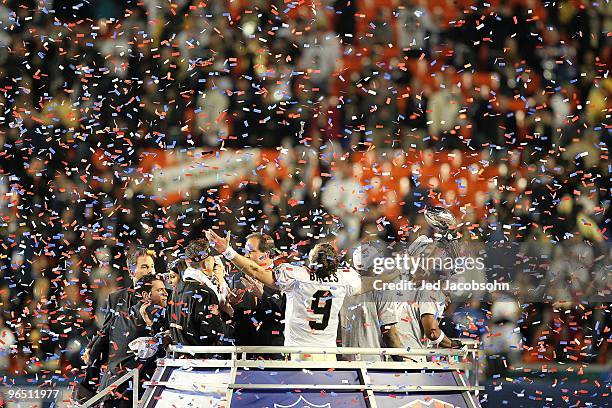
(342, 88)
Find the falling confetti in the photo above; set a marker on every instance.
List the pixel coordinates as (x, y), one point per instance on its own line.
(144, 123)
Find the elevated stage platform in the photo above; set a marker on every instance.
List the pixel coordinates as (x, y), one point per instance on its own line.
(181, 381)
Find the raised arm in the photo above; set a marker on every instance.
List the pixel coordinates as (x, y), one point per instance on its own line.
(243, 263)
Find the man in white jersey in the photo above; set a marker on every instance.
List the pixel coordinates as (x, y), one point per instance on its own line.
(418, 322)
(418, 325)
(314, 293)
(368, 320)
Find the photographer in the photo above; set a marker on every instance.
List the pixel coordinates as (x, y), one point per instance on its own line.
(140, 264)
(133, 340)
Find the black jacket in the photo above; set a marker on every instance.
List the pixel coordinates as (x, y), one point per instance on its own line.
(195, 317)
(271, 314)
(259, 323)
(111, 345)
(118, 302)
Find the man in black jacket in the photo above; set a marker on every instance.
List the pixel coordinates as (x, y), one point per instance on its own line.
(198, 310)
(259, 311)
(133, 339)
(140, 263)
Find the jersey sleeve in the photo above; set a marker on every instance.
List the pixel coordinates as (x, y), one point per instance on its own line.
(284, 275)
(431, 302)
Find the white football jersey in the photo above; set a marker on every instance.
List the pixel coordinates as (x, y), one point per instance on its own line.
(361, 320)
(410, 312)
(313, 304)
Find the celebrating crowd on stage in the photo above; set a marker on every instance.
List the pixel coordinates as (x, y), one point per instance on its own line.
(317, 302)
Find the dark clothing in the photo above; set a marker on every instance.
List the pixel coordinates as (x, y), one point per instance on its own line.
(118, 302)
(114, 342)
(121, 300)
(195, 317)
(271, 314)
(120, 403)
(259, 322)
(245, 330)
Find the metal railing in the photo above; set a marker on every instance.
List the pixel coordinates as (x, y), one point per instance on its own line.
(132, 374)
(238, 356)
(235, 350)
(470, 349)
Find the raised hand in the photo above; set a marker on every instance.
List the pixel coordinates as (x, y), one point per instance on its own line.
(220, 243)
(235, 296)
(254, 285)
(227, 308)
(144, 314)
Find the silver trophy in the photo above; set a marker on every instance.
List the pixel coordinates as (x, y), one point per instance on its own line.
(443, 221)
(440, 218)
